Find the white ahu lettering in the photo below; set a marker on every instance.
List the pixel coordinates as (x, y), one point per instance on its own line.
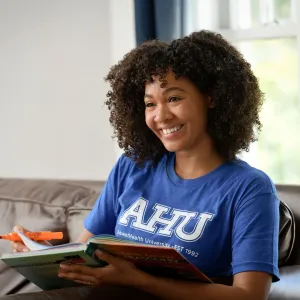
(174, 223)
(198, 229)
(136, 211)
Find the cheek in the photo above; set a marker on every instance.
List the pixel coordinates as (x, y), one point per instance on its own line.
(199, 115)
(149, 120)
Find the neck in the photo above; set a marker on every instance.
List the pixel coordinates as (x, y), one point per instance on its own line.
(195, 163)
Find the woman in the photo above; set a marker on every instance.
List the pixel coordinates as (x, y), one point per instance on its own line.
(182, 112)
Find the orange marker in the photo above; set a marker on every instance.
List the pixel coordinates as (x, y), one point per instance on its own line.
(35, 236)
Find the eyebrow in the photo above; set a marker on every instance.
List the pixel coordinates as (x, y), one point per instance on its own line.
(170, 89)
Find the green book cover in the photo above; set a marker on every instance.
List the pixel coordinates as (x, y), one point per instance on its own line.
(41, 266)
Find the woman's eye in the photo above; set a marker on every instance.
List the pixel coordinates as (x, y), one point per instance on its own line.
(172, 99)
(149, 104)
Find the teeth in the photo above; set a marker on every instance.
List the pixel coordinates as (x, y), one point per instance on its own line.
(170, 130)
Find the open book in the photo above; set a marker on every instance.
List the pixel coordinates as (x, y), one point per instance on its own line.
(41, 266)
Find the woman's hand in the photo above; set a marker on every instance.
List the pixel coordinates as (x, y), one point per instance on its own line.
(19, 246)
(118, 272)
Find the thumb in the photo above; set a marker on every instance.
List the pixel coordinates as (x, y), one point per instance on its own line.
(110, 259)
(19, 228)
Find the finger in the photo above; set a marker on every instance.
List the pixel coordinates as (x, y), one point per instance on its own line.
(90, 280)
(107, 257)
(85, 283)
(73, 268)
(19, 247)
(19, 228)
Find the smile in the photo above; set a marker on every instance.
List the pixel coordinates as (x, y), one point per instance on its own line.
(171, 130)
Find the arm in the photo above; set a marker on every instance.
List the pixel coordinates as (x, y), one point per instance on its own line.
(246, 286)
(84, 236)
(254, 257)
(103, 217)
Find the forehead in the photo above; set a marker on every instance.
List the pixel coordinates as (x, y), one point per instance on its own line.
(167, 78)
(162, 83)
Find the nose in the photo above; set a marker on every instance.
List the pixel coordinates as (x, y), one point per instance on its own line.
(163, 114)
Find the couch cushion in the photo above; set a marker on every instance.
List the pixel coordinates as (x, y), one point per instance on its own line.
(287, 233)
(81, 208)
(291, 196)
(77, 214)
(36, 205)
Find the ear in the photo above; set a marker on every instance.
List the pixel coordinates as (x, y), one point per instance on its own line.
(211, 102)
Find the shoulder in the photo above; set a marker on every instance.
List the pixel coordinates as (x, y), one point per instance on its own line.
(255, 178)
(251, 179)
(246, 185)
(128, 163)
(126, 166)
(124, 161)
(252, 187)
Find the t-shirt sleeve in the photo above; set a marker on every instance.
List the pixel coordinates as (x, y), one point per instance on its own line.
(255, 235)
(102, 218)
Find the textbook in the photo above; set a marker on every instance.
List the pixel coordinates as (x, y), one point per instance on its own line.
(41, 266)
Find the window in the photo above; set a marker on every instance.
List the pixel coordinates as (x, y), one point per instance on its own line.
(267, 32)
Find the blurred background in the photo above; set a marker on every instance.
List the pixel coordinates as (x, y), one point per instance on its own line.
(55, 53)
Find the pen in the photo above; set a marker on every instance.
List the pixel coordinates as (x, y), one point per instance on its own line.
(35, 236)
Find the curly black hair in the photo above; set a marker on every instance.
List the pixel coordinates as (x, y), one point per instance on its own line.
(216, 67)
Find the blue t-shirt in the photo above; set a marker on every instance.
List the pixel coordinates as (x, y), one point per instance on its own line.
(225, 222)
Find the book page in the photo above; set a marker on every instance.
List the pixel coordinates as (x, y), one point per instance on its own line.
(32, 245)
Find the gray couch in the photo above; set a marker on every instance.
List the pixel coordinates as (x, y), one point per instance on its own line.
(62, 206)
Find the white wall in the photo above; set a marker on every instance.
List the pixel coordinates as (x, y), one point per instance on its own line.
(53, 57)
(122, 33)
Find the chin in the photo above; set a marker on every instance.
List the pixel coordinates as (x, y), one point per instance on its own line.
(173, 148)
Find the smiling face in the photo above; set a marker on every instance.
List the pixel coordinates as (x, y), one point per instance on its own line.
(177, 113)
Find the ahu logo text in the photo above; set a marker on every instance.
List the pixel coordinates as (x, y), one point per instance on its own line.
(172, 221)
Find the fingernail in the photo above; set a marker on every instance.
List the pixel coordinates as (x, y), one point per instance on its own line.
(63, 266)
(25, 250)
(60, 275)
(18, 228)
